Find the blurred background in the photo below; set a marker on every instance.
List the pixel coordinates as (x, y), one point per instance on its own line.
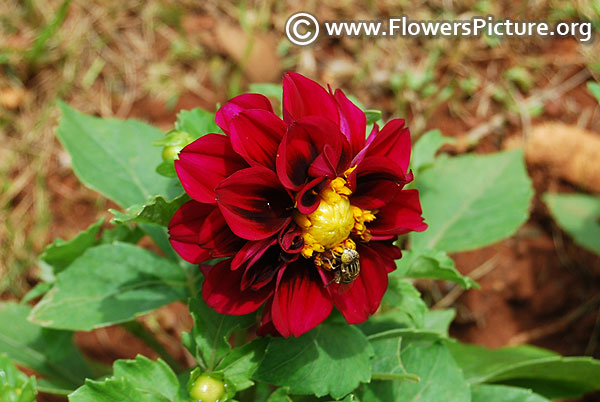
(149, 59)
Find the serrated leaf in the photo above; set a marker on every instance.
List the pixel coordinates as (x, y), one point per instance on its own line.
(139, 380)
(211, 332)
(502, 393)
(472, 201)
(439, 320)
(578, 215)
(121, 233)
(402, 308)
(157, 210)
(423, 153)
(280, 395)
(331, 359)
(49, 352)
(113, 157)
(431, 264)
(542, 371)
(197, 122)
(413, 366)
(110, 284)
(15, 386)
(239, 365)
(60, 253)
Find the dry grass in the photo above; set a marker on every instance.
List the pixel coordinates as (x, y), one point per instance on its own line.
(146, 59)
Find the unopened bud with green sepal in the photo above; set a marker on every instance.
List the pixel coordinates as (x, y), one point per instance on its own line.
(173, 142)
(209, 387)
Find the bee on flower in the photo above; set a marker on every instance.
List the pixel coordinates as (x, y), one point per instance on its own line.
(304, 210)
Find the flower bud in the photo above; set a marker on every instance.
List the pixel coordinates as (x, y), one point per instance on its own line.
(173, 143)
(207, 387)
(169, 153)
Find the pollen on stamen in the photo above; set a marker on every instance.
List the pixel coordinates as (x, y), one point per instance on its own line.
(330, 226)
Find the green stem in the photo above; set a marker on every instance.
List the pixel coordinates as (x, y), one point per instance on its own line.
(392, 376)
(139, 331)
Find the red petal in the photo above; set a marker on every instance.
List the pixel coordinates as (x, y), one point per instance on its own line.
(401, 215)
(388, 252)
(254, 203)
(290, 239)
(365, 293)
(303, 97)
(184, 228)
(261, 272)
(216, 236)
(308, 198)
(266, 322)
(393, 141)
(376, 180)
(251, 252)
(301, 301)
(221, 291)
(255, 135)
(301, 152)
(353, 122)
(204, 163)
(234, 106)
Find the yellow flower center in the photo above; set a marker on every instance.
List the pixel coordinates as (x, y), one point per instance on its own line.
(330, 226)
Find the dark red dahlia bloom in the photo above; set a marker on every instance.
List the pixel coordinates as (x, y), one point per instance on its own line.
(304, 209)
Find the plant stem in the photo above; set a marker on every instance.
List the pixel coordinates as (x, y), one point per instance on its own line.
(139, 331)
(393, 376)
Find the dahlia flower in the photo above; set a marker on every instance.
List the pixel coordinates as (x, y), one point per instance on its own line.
(303, 210)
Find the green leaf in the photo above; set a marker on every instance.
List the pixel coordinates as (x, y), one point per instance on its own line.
(349, 398)
(113, 157)
(61, 253)
(413, 367)
(167, 169)
(110, 284)
(431, 264)
(160, 236)
(14, 385)
(197, 122)
(578, 215)
(121, 233)
(211, 332)
(471, 201)
(542, 371)
(49, 352)
(157, 210)
(439, 321)
(403, 308)
(502, 393)
(594, 88)
(239, 365)
(331, 359)
(268, 89)
(280, 395)
(372, 116)
(401, 295)
(481, 364)
(424, 151)
(139, 380)
(37, 291)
